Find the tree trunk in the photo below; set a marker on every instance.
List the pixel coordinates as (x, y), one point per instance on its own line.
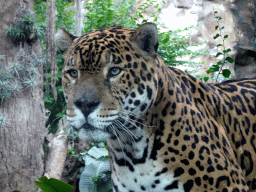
(79, 17)
(22, 130)
(51, 43)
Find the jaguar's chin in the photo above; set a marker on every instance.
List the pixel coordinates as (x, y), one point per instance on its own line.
(88, 127)
(90, 132)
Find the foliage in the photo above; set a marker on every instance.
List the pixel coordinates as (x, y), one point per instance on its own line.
(21, 73)
(173, 46)
(64, 19)
(53, 185)
(103, 13)
(96, 175)
(56, 108)
(142, 10)
(218, 67)
(27, 30)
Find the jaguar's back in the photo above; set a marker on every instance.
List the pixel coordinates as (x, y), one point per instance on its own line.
(165, 130)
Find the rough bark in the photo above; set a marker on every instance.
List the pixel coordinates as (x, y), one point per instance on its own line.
(22, 135)
(79, 17)
(51, 43)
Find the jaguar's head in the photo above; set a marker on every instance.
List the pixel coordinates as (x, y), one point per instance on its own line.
(109, 75)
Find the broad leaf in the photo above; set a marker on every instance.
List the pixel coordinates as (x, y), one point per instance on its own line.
(53, 185)
(227, 50)
(230, 59)
(206, 79)
(220, 63)
(214, 68)
(98, 152)
(166, 40)
(216, 36)
(226, 73)
(218, 54)
(86, 184)
(95, 170)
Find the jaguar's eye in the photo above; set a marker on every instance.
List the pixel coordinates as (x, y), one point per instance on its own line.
(114, 71)
(73, 73)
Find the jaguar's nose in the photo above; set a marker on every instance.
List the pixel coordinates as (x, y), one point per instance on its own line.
(86, 107)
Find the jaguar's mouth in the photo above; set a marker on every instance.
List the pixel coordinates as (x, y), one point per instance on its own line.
(89, 127)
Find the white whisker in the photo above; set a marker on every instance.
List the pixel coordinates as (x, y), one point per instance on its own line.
(126, 130)
(115, 133)
(136, 121)
(130, 121)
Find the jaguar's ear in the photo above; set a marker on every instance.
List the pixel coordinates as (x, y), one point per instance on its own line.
(146, 38)
(64, 39)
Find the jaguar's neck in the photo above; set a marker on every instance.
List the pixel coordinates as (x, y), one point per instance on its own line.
(198, 96)
(129, 141)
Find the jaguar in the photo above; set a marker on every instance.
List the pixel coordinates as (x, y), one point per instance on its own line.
(165, 130)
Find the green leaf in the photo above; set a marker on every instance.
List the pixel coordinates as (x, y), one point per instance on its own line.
(226, 36)
(208, 71)
(166, 40)
(53, 185)
(206, 79)
(220, 63)
(226, 73)
(216, 27)
(227, 50)
(217, 18)
(219, 45)
(218, 54)
(230, 59)
(216, 36)
(214, 68)
(215, 12)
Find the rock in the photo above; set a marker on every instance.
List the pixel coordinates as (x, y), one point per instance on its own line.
(245, 63)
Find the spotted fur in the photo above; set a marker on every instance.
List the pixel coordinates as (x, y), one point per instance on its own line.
(165, 130)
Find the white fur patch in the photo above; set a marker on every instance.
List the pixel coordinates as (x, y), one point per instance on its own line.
(96, 120)
(78, 120)
(145, 176)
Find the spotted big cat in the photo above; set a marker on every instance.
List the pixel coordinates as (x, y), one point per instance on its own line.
(165, 130)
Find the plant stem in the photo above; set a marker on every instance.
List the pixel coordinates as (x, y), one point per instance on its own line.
(223, 49)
